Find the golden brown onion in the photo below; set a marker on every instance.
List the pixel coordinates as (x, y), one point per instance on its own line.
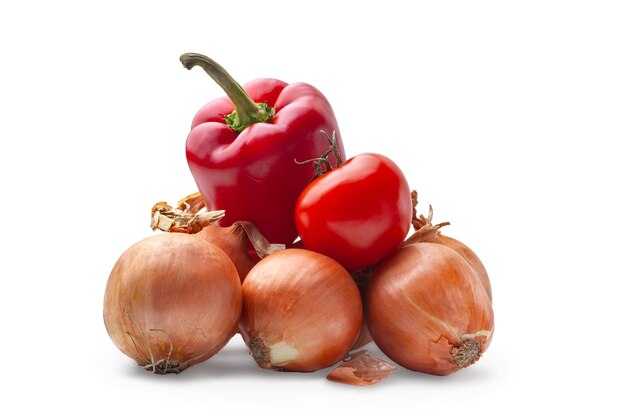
(428, 311)
(171, 301)
(301, 311)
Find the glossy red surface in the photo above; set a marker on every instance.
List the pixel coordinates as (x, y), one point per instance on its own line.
(357, 213)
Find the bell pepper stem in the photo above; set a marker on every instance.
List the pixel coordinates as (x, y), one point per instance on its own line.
(246, 111)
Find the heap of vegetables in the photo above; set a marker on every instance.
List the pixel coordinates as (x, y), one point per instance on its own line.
(302, 252)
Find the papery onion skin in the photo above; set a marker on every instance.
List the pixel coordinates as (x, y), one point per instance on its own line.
(301, 311)
(426, 231)
(171, 301)
(361, 369)
(431, 233)
(233, 241)
(428, 311)
(470, 257)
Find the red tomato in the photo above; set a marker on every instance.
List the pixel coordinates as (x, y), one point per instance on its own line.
(357, 213)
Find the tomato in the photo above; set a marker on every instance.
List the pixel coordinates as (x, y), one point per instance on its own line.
(358, 213)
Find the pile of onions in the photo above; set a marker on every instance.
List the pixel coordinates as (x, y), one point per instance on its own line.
(171, 301)
(175, 299)
(301, 311)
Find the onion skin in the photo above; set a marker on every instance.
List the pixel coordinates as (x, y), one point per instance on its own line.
(361, 369)
(469, 256)
(301, 311)
(242, 241)
(431, 233)
(234, 242)
(426, 231)
(428, 311)
(171, 301)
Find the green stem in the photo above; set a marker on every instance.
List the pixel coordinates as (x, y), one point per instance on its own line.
(322, 164)
(246, 111)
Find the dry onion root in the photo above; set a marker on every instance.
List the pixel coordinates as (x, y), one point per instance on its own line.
(171, 301)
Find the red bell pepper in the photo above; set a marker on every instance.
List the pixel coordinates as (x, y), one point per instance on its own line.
(242, 149)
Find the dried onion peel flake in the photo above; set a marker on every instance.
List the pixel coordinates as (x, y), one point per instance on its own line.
(361, 369)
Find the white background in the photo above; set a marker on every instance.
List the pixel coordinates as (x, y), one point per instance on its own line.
(508, 117)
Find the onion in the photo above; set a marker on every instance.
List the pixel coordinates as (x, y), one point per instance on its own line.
(301, 311)
(171, 301)
(428, 311)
